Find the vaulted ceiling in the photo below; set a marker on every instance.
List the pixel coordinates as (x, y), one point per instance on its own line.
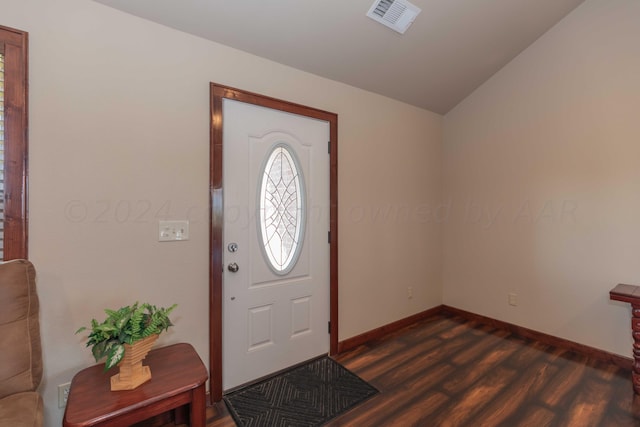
(452, 47)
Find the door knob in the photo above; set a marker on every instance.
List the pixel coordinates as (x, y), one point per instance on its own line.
(233, 267)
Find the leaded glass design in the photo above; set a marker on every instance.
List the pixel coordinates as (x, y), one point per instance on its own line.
(282, 209)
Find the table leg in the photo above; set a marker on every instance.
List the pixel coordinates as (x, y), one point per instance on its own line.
(181, 414)
(635, 327)
(198, 407)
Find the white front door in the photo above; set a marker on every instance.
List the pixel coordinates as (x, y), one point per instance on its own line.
(276, 253)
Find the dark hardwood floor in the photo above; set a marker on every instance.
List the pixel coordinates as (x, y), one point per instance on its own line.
(448, 371)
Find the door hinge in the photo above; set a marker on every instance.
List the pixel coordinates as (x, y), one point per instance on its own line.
(329, 237)
(329, 147)
(328, 327)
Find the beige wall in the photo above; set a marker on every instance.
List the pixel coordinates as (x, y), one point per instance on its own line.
(547, 148)
(541, 168)
(119, 134)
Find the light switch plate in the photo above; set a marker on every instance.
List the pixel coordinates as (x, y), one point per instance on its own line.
(171, 231)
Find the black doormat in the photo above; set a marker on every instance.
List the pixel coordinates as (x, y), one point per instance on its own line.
(307, 395)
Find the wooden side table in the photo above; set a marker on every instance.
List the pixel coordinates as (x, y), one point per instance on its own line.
(631, 294)
(178, 379)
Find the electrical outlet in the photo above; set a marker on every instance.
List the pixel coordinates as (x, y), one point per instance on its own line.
(410, 292)
(63, 394)
(513, 299)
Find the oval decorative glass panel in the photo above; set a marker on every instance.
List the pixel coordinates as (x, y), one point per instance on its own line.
(282, 209)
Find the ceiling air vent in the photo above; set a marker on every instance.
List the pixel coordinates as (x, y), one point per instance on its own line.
(395, 14)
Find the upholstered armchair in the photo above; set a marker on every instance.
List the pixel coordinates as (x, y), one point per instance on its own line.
(20, 350)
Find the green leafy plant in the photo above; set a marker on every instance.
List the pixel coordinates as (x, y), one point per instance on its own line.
(125, 326)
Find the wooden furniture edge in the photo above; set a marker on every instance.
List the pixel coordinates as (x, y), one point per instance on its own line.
(595, 353)
(625, 293)
(382, 331)
(153, 403)
(631, 294)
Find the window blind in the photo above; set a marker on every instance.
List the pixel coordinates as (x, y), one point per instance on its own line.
(13, 143)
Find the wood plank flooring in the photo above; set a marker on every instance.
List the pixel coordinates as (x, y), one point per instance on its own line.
(448, 371)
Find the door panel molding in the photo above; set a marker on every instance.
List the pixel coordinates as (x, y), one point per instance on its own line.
(217, 94)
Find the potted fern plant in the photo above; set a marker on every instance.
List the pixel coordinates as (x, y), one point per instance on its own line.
(125, 337)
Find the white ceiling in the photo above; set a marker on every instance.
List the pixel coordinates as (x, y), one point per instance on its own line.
(452, 47)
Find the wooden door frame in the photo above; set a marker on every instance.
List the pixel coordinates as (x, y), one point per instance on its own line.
(216, 244)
